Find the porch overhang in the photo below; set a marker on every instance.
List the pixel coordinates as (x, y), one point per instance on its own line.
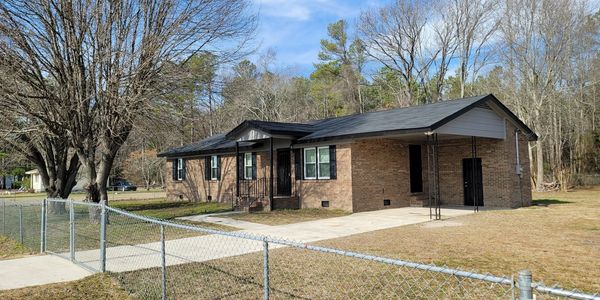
(252, 130)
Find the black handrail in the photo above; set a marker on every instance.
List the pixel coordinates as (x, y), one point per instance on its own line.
(252, 190)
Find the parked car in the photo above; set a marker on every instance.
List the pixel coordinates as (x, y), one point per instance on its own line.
(123, 186)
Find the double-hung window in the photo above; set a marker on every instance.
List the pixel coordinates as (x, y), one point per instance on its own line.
(214, 167)
(310, 163)
(317, 163)
(323, 170)
(180, 169)
(248, 166)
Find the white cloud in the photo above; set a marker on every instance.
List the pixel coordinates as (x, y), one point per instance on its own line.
(304, 10)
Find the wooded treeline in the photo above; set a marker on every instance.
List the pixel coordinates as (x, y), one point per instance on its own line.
(540, 57)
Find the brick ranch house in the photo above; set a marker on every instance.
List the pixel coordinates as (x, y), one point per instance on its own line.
(470, 151)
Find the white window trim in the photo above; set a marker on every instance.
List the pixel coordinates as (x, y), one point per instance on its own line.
(316, 163)
(179, 169)
(247, 176)
(319, 163)
(214, 161)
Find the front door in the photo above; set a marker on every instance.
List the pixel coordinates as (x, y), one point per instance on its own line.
(473, 182)
(284, 168)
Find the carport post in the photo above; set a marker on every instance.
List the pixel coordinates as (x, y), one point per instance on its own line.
(265, 269)
(43, 227)
(102, 236)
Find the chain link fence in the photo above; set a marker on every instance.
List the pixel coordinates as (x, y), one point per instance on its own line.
(21, 222)
(155, 259)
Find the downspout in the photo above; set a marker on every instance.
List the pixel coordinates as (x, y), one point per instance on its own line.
(518, 166)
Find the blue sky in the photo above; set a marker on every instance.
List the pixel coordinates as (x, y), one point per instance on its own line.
(294, 28)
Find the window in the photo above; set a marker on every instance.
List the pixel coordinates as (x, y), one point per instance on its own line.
(317, 163)
(323, 162)
(214, 167)
(310, 163)
(247, 165)
(180, 169)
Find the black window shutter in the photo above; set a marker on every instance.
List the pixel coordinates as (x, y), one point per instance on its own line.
(175, 169)
(219, 167)
(183, 168)
(207, 168)
(332, 163)
(298, 164)
(240, 162)
(254, 165)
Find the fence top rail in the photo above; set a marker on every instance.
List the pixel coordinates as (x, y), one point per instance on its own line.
(564, 293)
(23, 203)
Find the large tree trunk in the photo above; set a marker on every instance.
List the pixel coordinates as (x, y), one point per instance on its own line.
(539, 157)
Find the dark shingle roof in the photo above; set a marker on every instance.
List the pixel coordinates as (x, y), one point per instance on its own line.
(275, 128)
(394, 121)
(207, 145)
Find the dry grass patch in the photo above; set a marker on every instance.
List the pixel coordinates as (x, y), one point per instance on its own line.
(304, 274)
(288, 216)
(99, 286)
(559, 243)
(10, 249)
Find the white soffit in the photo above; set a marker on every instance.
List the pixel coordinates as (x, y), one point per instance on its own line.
(480, 122)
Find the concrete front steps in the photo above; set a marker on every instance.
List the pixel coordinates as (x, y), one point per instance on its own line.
(418, 200)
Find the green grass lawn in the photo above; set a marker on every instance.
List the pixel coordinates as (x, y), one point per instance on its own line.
(163, 209)
(121, 230)
(79, 196)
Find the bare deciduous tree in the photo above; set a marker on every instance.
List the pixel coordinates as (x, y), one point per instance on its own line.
(394, 37)
(93, 67)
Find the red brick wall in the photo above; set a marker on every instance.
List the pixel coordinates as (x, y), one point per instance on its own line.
(380, 170)
(369, 171)
(337, 191)
(196, 187)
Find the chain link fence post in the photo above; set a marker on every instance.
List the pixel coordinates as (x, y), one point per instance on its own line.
(266, 269)
(103, 236)
(71, 231)
(3, 217)
(163, 262)
(43, 227)
(525, 291)
(21, 224)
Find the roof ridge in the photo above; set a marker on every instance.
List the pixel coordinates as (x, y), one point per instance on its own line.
(401, 108)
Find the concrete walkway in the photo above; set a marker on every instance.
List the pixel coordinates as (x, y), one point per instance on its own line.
(209, 247)
(37, 270)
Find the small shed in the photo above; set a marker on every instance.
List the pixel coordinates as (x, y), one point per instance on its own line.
(36, 180)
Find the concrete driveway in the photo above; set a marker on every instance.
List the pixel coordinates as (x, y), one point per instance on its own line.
(209, 247)
(324, 229)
